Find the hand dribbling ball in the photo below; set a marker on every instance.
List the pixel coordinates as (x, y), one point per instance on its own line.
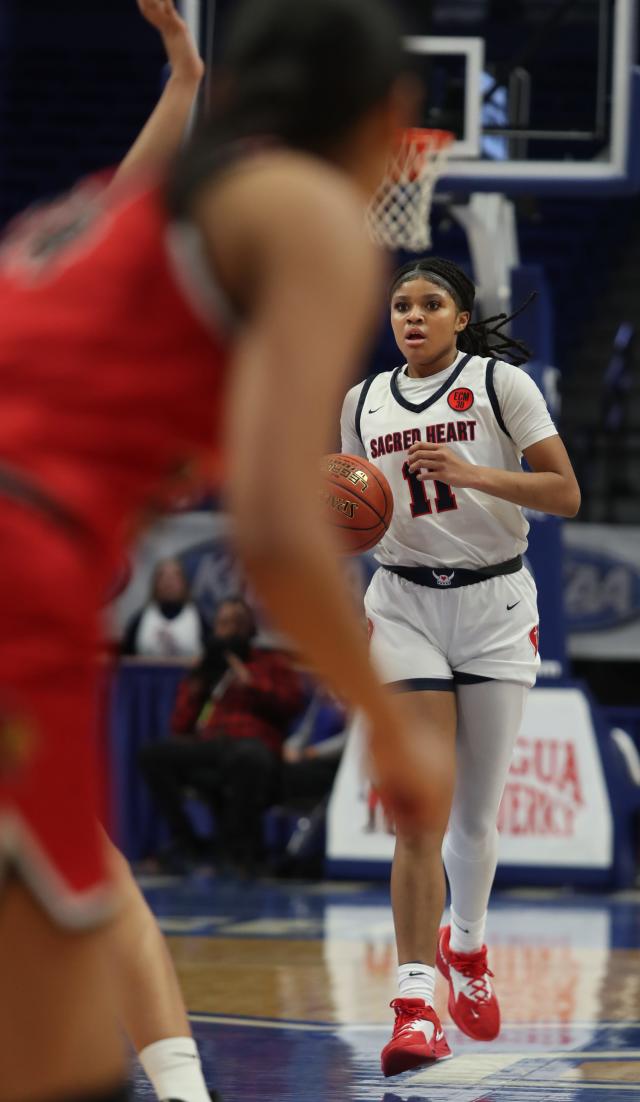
(358, 501)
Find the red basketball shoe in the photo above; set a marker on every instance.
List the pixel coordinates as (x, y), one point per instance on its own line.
(417, 1038)
(472, 1001)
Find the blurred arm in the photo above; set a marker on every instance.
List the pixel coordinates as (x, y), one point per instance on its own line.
(309, 318)
(165, 130)
(313, 285)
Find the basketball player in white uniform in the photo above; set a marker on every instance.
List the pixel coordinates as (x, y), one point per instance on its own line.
(452, 615)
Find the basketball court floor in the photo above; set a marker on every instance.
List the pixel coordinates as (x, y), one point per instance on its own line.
(288, 986)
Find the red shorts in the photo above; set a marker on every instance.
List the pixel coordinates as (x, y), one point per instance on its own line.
(51, 779)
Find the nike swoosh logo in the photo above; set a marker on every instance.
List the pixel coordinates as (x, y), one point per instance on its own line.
(509, 607)
(375, 410)
(417, 973)
(457, 924)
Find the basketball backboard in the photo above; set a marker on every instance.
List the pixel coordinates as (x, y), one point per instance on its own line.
(542, 95)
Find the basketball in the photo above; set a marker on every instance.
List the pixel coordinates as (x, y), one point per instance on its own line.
(358, 501)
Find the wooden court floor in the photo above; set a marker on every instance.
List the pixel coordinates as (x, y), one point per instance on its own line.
(288, 987)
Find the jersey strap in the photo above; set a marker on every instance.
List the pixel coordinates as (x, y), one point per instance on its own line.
(450, 577)
(366, 387)
(493, 397)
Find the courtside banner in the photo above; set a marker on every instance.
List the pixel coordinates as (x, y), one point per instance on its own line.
(544, 559)
(555, 813)
(201, 541)
(602, 590)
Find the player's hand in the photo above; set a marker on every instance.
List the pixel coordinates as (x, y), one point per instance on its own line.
(182, 52)
(437, 461)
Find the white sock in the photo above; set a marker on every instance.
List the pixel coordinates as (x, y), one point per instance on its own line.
(416, 981)
(174, 1069)
(467, 937)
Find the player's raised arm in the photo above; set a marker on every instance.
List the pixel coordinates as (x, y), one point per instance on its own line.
(311, 280)
(164, 131)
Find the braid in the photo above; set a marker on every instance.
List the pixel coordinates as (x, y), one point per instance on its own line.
(480, 338)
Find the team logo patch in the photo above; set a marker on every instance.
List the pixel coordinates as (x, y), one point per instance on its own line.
(460, 399)
(443, 579)
(534, 638)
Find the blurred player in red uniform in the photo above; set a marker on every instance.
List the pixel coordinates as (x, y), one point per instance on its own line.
(219, 303)
(148, 998)
(149, 1001)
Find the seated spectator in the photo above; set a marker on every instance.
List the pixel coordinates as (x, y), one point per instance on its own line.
(170, 624)
(231, 717)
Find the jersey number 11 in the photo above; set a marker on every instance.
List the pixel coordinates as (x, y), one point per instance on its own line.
(420, 504)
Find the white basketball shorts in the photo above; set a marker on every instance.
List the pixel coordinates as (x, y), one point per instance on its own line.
(423, 638)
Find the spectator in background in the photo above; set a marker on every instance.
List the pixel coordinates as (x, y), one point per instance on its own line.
(231, 717)
(170, 625)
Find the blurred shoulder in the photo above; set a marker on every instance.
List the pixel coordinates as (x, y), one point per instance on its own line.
(301, 191)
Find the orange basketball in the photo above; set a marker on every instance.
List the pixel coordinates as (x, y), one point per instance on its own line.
(358, 501)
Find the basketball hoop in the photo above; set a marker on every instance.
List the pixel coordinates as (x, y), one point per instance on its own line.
(398, 215)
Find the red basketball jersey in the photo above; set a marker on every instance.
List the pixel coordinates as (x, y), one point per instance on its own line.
(111, 373)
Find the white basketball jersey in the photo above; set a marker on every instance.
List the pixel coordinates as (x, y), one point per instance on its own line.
(486, 410)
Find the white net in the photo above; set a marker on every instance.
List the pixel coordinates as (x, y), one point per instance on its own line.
(398, 215)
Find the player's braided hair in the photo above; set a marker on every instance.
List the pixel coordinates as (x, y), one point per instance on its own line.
(479, 338)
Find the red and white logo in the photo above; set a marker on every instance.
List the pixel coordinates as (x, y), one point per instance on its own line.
(534, 638)
(460, 399)
(443, 579)
(544, 792)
